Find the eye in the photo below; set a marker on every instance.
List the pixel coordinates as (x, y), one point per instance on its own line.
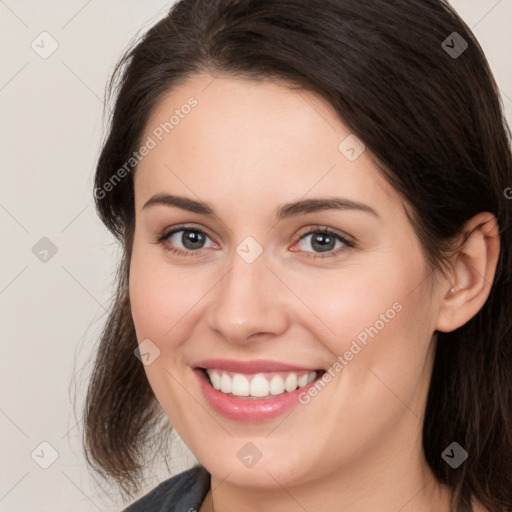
(192, 240)
(324, 240)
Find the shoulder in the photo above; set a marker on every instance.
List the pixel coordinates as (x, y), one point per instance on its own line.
(184, 491)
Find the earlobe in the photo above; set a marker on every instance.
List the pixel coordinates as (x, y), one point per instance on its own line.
(472, 275)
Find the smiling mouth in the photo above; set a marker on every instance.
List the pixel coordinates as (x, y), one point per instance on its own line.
(259, 385)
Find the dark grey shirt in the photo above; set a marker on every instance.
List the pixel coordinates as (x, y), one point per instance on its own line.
(184, 492)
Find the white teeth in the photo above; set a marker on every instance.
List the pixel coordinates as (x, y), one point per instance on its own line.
(276, 385)
(302, 381)
(225, 383)
(215, 378)
(290, 384)
(239, 385)
(258, 385)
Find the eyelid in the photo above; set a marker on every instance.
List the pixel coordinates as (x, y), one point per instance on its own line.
(166, 233)
(321, 228)
(348, 240)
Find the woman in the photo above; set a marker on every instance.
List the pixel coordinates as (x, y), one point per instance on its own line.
(315, 289)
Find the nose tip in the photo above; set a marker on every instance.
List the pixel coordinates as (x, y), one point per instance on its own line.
(247, 305)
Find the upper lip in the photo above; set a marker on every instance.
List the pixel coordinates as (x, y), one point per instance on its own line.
(255, 366)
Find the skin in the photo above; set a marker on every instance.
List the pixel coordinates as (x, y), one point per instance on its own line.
(247, 148)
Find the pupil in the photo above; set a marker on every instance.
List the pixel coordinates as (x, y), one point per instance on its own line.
(192, 238)
(324, 240)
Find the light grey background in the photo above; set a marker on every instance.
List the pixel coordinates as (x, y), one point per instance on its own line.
(52, 312)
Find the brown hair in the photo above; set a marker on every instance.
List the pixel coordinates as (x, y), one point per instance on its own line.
(435, 126)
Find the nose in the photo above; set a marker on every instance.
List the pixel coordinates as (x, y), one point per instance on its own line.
(249, 302)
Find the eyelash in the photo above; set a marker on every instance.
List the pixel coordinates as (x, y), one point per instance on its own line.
(164, 236)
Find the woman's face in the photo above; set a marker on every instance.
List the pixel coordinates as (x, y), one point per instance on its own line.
(261, 281)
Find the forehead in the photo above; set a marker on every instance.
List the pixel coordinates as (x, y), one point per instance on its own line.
(253, 138)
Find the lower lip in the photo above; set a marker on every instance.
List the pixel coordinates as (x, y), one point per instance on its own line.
(248, 409)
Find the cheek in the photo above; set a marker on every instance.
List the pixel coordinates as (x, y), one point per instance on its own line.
(159, 296)
(161, 301)
(373, 317)
(353, 305)
(383, 333)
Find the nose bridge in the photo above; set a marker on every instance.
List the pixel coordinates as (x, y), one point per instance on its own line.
(247, 301)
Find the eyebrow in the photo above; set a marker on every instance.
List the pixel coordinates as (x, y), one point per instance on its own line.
(285, 211)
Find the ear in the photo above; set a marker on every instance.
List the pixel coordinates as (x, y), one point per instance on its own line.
(472, 273)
